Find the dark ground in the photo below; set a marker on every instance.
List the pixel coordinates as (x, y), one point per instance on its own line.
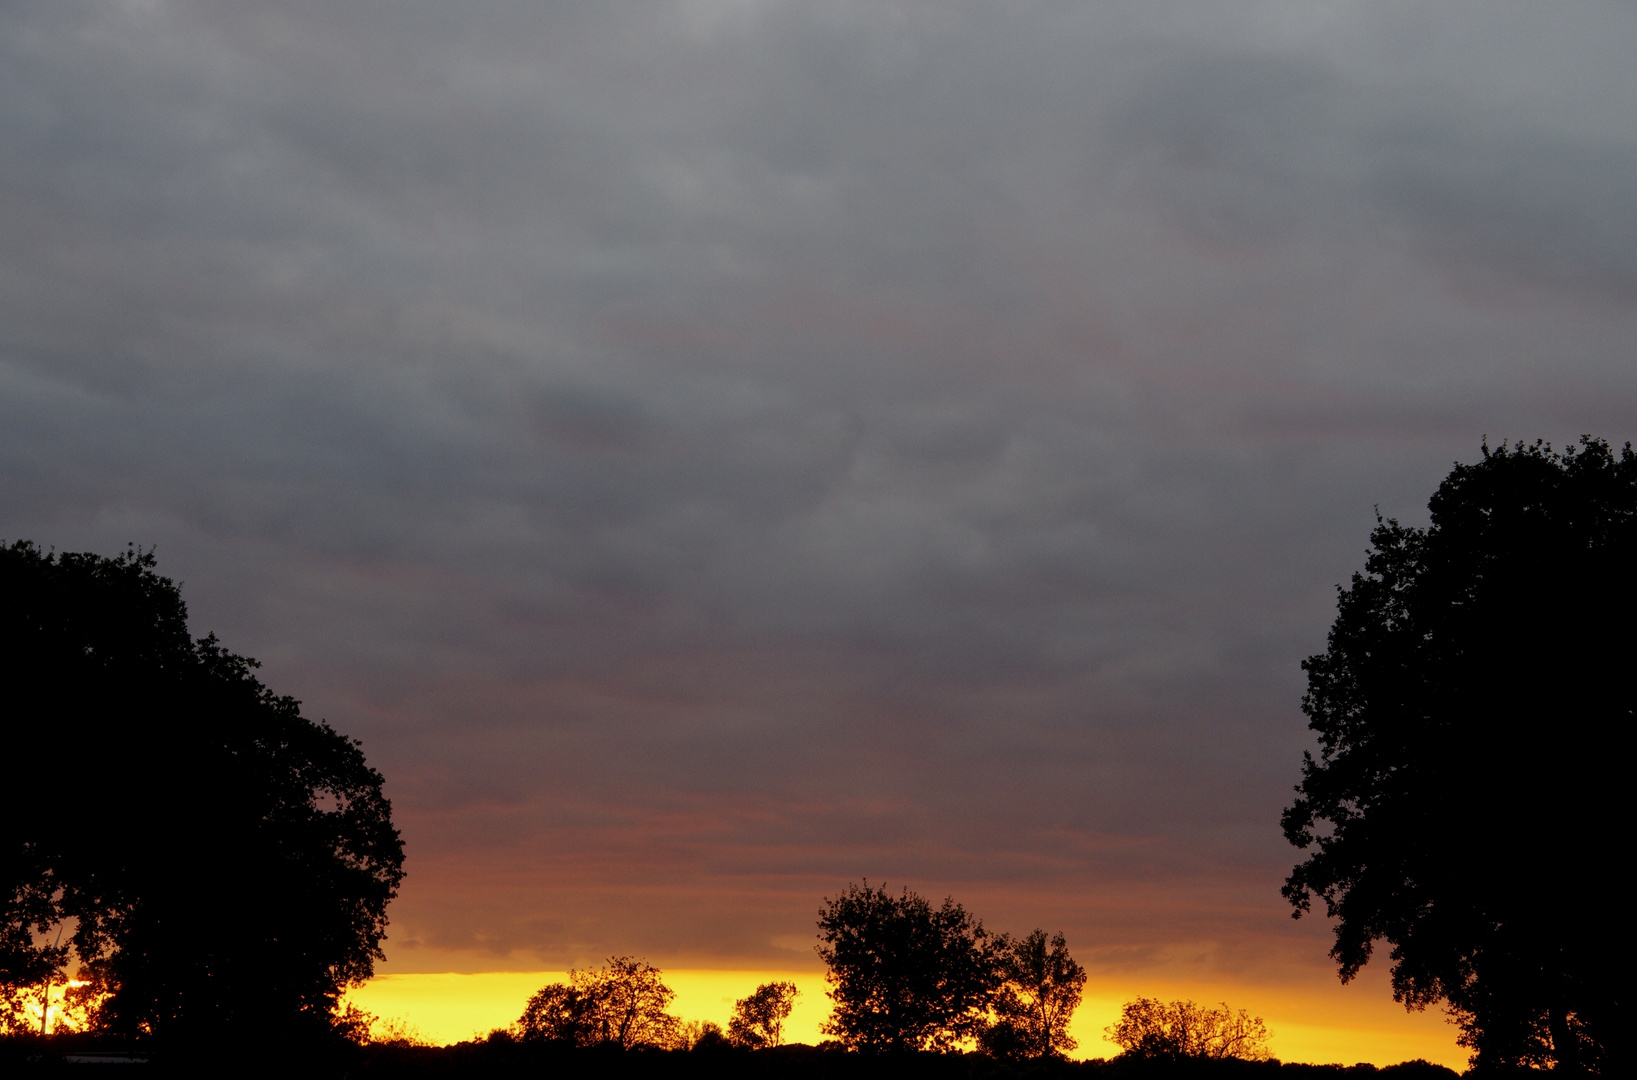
(503, 1059)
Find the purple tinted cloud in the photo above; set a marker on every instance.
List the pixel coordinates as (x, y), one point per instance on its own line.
(713, 454)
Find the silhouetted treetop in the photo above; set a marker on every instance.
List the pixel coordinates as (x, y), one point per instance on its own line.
(1474, 709)
(903, 974)
(1040, 987)
(623, 1004)
(1149, 1028)
(225, 863)
(758, 1020)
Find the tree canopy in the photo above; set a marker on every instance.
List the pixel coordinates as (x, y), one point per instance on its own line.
(1040, 989)
(622, 1004)
(1474, 710)
(903, 974)
(222, 864)
(1149, 1028)
(758, 1020)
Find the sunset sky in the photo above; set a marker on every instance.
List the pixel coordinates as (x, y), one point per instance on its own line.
(712, 451)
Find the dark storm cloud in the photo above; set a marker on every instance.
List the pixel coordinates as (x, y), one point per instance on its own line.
(712, 450)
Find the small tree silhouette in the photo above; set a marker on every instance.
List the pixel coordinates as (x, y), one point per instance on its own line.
(622, 1004)
(758, 1020)
(903, 974)
(1041, 989)
(1181, 1029)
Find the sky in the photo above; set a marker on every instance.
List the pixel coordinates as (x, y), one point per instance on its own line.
(710, 452)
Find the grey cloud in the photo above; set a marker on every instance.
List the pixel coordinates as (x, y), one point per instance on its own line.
(916, 433)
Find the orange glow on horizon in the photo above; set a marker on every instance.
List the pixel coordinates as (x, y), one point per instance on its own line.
(1345, 1025)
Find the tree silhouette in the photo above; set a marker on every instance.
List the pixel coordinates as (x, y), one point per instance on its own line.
(904, 975)
(621, 1005)
(560, 1013)
(705, 1036)
(758, 1020)
(1474, 709)
(225, 864)
(1149, 1028)
(1040, 989)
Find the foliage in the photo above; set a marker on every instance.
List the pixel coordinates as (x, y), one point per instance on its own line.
(363, 1028)
(559, 1013)
(758, 1020)
(1149, 1028)
(354, 1024)
(74, 1007)
(1040, 989)
(1474, 709)
(904, 975)
(223, 864)
(701, 1035)
(622, 1005)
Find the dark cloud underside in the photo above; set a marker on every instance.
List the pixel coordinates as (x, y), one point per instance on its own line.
(710, 451)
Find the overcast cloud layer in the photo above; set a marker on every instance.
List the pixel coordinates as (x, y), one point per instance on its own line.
(713, 451)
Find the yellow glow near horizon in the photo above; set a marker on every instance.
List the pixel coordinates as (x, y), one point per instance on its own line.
(446, 1007)
(63, 1016)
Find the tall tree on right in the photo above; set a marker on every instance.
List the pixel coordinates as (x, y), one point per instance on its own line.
(1474, 709)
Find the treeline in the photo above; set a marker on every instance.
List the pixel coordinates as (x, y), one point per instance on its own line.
(130, 918)
(907, 981)
(904, 977)
(217, 866)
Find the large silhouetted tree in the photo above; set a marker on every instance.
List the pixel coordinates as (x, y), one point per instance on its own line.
(1474, 707)
(223, 865)
(903, 974)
